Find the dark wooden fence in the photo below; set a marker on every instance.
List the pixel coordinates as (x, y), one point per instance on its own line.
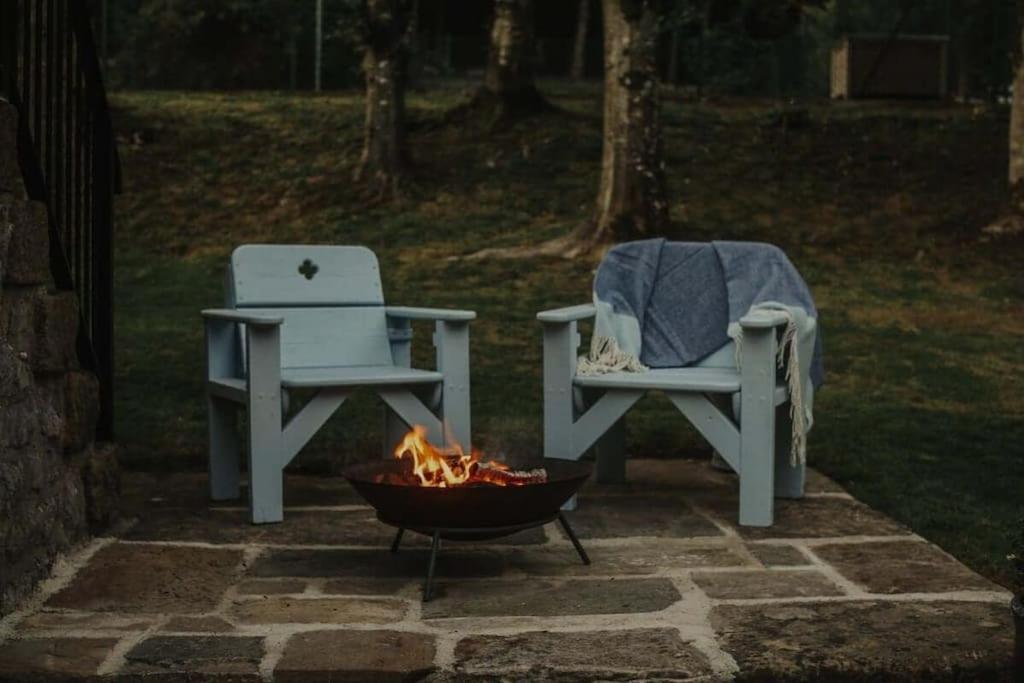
(50, 71)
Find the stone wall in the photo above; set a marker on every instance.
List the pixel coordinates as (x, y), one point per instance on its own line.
(56, 483)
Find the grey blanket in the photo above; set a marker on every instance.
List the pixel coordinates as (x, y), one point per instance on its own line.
(670, 304)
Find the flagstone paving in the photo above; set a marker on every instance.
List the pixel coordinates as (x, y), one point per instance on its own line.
(187, 590)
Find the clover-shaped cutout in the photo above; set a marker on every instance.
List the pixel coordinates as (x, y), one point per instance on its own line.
(308, 269)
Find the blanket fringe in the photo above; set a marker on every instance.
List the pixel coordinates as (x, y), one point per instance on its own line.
(788, 357)
(606, 356)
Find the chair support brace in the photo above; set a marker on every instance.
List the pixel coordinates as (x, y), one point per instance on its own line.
(599, 418)
(714, 425)
(412, 411)
(304, 424)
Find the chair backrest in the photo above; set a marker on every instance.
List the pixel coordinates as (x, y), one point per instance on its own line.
(292, 276)
(724, 357)
(330, 297)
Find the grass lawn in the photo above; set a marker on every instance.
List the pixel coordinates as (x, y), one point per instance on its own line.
(880, 207)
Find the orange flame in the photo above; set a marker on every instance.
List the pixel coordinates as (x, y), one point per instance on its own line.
(445, 468)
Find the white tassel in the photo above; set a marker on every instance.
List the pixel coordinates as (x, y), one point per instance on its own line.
(606, 356)
(787, 356)
(798, 451)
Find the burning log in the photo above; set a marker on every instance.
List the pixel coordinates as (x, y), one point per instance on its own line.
(501, 475)
(450, 467)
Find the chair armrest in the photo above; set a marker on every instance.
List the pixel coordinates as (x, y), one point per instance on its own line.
(414, 313)
(761, 319)
(263, 342)
(568, 314)
(235, 316)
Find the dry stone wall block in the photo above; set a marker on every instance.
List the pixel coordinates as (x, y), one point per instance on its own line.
(6, 230)
(81, 409)
(57, 330)
(102, 482)
(10, 173)
(15, 375)
(18, 320)
(32, 422)
(28, 250)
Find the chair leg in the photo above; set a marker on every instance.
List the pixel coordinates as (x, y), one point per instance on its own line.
(452, 342)
(789, 479)
(456, 418)
(757, 469)
(757, 430)
(560, 342)
(558, 422)
(266, 478)
(266, 445)
(610, 454)
(223, 457)
(394, 429)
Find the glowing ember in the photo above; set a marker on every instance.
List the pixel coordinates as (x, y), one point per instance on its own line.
(448, 467)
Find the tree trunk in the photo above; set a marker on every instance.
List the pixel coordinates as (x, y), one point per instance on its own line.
(293, 60)
(443, 43)
(508, 81)
(842, 18)
(384, 158)
(631, 201)
(1012, 222)
(1017, 126)
(414, 52)
(579, 47)
(963, 75)
(673, 57)
(318, 46)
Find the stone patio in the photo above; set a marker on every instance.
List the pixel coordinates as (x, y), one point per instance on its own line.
(676, 591)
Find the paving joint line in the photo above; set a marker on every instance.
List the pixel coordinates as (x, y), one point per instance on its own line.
(116, 659)
(63, 571)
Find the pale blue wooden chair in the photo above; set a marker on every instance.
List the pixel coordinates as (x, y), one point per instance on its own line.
(313, 318)
(744, 415)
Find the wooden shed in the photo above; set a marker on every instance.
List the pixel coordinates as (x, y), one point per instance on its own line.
(890, 66)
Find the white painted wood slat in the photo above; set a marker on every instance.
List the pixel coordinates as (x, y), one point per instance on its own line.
(305, 275)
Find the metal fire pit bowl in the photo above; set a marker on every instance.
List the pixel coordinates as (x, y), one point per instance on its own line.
(480, 506)
(468, 513)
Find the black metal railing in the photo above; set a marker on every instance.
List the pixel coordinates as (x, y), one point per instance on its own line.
(50, 72)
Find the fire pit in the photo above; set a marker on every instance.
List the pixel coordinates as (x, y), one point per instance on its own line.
(447, 494)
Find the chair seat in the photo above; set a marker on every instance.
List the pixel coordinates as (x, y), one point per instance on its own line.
(360, 375)
(703, 380)
(367, 375)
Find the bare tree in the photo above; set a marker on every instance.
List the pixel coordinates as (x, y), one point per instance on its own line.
(385, 158)
(631, 199)
(579, 46)
(509, 86)
(672, 75)
(1011, 222)
(1017, 124)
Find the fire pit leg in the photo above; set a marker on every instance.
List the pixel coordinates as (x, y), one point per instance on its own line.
(572, 537)
(398, 539)
(428, 587)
